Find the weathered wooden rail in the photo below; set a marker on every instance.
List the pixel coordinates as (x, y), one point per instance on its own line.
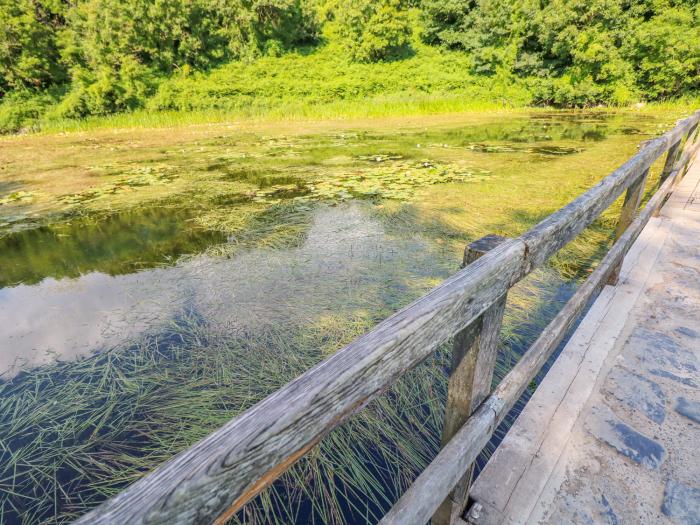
(213, 479)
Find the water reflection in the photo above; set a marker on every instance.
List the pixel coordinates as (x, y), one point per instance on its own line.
(82, 286)
(346, 256)
(121, 243)
(62, 319)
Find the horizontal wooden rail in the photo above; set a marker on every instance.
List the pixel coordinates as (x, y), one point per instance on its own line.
(214, 478)
(419, 502)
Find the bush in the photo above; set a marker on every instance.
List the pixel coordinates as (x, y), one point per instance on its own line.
(666, 52)
(21, 109)
(118, 48)
(108, 90)
(29, 56)
(580, 52)
(374, 30)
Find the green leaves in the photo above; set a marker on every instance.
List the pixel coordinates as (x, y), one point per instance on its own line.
(666, 51)
(114, 51)
(107, 56)
(374, 30)
(580, 52)
(29, 56)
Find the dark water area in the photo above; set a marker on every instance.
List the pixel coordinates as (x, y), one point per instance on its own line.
(118, 244)
(127, 337)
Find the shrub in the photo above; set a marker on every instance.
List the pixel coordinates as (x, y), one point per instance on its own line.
(29, 56)
(22, 108)
(374, 30)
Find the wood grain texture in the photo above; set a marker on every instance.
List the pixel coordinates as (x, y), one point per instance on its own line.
(481, 387)
(473, 360)
(674, 159)
(671, 159)
(419, 502)
(689, 147)
(633, 196)
(235, 462)
(219, 474)
(689, 151)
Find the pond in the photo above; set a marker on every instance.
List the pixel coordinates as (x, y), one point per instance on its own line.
(185, 280)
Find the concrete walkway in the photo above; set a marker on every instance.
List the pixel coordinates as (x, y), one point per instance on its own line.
(612, 435)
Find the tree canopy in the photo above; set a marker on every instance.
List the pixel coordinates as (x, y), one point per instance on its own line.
(102, 56)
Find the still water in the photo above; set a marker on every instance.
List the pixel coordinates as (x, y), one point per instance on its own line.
(127, 336)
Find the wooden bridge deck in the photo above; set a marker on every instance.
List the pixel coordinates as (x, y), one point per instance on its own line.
(612, 433)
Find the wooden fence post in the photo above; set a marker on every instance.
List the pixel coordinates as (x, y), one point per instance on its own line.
(673, 157)
(473, 360)
(689, 141)
(633, 197)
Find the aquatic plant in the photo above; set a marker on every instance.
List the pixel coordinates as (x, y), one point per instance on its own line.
(17, 196)
(75, 433)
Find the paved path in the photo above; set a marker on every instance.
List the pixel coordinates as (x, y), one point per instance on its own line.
(612, 435)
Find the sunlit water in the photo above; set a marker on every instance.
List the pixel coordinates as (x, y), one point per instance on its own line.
(72, 289)
(80, 289)
(345, 256)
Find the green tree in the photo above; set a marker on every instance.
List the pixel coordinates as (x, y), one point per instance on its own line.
(119, 48)
(374, 30)
(29, 56)
(665, 51)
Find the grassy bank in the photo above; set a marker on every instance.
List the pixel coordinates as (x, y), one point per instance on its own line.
(393, 105)
(322, 84)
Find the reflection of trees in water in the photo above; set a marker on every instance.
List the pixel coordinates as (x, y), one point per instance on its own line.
(115, 245)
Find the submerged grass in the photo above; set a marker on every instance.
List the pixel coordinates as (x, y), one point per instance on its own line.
(75, 433)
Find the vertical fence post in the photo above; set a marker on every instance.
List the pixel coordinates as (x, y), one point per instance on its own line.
(675, 154)
(633, 197)
(689, 141)
(473, 360)
(672, 157)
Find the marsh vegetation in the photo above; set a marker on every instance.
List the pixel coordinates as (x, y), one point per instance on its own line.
(155, 283)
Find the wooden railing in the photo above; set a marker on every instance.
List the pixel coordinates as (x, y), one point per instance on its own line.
(213, 479)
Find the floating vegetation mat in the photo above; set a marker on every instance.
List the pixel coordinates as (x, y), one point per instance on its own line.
(17, 196)
(133, 178)
(400, 181)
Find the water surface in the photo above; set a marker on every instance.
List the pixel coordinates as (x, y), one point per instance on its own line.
(260, 256)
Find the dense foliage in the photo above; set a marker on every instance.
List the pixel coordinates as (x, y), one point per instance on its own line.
(73, 58)
(578, 51)
(373, 31)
